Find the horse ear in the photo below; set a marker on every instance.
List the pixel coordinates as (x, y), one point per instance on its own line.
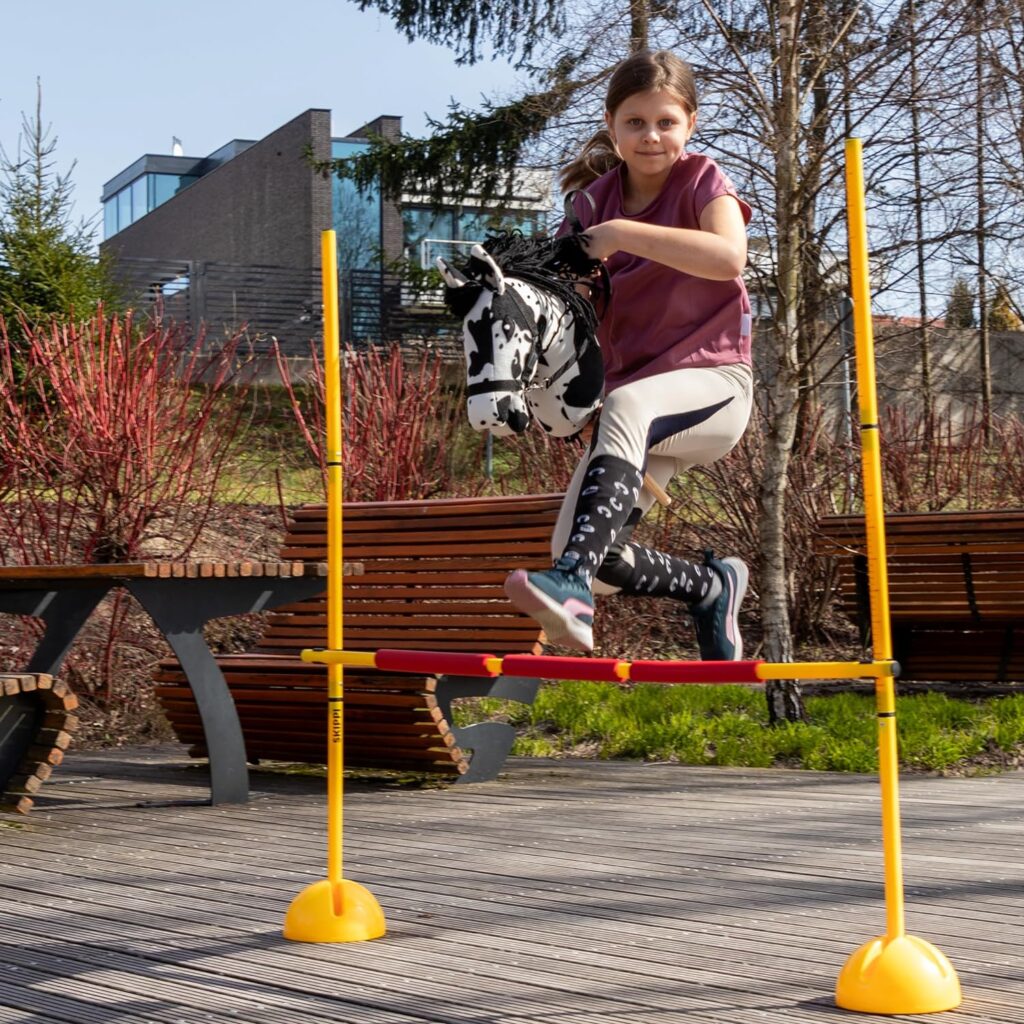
(452, 277)
(497, 282)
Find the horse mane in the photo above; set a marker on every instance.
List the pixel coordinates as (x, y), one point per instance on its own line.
(554, 265)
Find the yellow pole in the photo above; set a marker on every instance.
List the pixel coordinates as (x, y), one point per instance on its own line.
(334, 909)
(874, 513)
(335, 569)
(895, 972)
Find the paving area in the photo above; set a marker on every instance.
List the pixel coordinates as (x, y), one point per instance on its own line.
(566, 892)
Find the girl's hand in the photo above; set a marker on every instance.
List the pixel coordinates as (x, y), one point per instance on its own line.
(602, 240)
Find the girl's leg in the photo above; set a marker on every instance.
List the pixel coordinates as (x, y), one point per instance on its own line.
(703, 412)
(715, 588)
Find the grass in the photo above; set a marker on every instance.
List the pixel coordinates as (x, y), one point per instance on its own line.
(728, 725)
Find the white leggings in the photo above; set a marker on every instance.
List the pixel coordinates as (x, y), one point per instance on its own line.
(663, 425)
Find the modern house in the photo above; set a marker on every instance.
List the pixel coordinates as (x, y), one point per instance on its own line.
(234, 237)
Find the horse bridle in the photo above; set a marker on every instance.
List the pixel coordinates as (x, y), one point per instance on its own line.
(506, 384)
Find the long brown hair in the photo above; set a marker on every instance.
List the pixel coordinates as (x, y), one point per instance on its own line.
(646, 71)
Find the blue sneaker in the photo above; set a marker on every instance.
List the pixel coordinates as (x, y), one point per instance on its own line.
(559, 600)
(717, 621)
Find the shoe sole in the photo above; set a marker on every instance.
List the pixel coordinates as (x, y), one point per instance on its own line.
(559, 626)
(735, 600)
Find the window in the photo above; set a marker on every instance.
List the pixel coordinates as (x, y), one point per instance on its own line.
(139, 204)
(355, 216)
(110, 217)
(124, 208)
(145, 193)
(165, 186)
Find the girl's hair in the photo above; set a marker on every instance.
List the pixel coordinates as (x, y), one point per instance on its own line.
(646, 71)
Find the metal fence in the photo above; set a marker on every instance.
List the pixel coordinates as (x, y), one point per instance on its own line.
(282, 304)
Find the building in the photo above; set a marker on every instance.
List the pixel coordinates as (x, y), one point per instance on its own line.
(234, 237)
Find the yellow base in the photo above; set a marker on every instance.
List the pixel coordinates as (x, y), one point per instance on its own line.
(316, 916)
(901, 975)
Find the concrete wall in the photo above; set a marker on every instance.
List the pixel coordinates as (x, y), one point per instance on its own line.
(266, 206)
(955, 370)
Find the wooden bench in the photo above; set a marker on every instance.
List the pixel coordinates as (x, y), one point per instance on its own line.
(36, 724)
(956, 590)
(432, 576)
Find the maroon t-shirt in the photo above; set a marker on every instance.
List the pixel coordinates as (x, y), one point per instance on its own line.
(658, 318)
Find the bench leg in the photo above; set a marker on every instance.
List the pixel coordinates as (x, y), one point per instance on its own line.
(63, 613)
(225, 745)
(489, 741)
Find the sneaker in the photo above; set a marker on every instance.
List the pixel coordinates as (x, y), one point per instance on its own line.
(717, 621)
(560, 601)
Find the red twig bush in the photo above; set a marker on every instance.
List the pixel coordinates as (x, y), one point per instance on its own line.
(113, 438)
(401, 421)
(942, 460)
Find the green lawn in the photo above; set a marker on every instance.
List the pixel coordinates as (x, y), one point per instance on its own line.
(728, 725)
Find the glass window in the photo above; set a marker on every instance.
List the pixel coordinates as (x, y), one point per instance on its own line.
(163, 186)
(419, 222)
(124, 208)
(474, 224)
(110, 217)
(355, 216)
(139, 208)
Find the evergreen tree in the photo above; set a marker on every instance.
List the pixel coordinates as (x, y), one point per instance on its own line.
(1002, 313)
(960, 311)
(47, 265)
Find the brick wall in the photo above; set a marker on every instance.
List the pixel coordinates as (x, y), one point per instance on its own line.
(264, 207)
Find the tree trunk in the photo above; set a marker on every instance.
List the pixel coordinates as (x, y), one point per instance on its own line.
(985, 367)
(924, 329)
(639, 24)
(785, 701)
(783, 372)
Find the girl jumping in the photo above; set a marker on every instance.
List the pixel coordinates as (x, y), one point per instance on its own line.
(675, 336)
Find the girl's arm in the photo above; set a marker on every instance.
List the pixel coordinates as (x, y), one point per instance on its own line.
(718, 251)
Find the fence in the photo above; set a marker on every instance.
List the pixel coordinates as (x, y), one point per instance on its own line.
(283, 304)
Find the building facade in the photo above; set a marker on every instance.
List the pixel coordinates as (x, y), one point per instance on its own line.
(234, 237)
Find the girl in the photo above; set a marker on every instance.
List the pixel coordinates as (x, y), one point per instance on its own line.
(675, 337)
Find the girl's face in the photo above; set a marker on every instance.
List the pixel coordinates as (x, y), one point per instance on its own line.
(650, 130)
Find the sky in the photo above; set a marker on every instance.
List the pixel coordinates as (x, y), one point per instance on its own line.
(120, 79)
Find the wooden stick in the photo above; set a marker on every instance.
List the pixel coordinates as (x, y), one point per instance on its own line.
(659, 495)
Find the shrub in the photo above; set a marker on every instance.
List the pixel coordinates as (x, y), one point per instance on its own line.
(400, 421)
(114, 436)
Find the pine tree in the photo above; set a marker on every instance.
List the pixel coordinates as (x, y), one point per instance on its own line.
(47, 266)
(960, 311)
(1002, 313)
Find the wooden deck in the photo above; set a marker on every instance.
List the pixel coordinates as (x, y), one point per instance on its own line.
(564, 893)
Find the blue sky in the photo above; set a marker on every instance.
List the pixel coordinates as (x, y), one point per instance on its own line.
(120, 79)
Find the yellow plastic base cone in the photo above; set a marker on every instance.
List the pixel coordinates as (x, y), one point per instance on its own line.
(901, 975)
(315, 916)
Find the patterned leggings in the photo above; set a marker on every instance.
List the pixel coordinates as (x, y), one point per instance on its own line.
(661, 425)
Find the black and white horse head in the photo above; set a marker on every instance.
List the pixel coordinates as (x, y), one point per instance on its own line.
(529, 337)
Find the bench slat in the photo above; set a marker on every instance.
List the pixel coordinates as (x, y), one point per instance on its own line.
(956, 589)
(432, 579)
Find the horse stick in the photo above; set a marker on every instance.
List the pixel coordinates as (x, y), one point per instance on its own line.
(653, 488)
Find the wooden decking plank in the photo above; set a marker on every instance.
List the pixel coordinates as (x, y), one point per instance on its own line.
(585, 893)
(662, 895)
(248, 1002)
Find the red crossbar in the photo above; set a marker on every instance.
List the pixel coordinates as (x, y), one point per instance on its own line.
(453, 663)
(694, 672)
(542, 666)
